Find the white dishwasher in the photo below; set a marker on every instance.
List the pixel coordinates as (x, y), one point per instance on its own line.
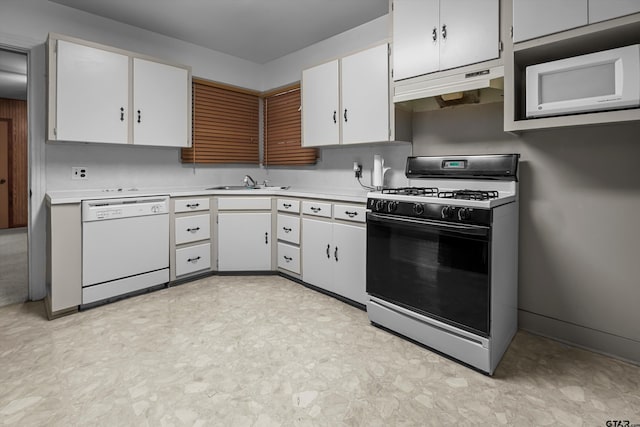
(125, 246)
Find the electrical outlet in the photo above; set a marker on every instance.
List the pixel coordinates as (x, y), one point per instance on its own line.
(79, 172)
(357, 168)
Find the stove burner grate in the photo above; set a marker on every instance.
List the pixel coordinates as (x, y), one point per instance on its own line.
(469, 194)
(412, 191)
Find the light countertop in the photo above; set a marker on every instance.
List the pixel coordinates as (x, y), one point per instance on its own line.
(76, 196)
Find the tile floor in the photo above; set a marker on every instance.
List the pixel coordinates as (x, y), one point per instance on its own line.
(14, 267)
(264, 351)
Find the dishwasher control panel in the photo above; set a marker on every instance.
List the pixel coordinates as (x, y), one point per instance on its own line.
(127, 207)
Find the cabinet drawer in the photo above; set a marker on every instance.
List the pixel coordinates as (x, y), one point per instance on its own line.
(192, 259)
(286, 205)
(289, 257)
(317, 208)
(350, 212)
(244, 203)
(192, 228)
(190, 205)
(289, 228)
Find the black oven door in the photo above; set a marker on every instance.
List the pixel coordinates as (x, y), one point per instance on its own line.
(434, 268)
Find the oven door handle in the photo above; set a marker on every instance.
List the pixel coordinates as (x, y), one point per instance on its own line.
(472, 230)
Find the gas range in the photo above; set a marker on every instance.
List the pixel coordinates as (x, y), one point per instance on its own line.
(442, 256)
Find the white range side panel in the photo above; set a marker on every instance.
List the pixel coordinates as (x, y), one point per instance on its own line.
(91, 89)
(536, 18)
(161, 103)
(244, 241)
(472, 32)
(350, 248)
(117, 248)
(365, 96)
(601, 10)
(504, 280)
(321, 105)
(415, 51)
(317, 254)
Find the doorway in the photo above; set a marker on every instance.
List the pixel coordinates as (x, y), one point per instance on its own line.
(14, 186)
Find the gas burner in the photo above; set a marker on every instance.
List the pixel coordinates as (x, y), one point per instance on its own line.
(469, 194)
(412, 191)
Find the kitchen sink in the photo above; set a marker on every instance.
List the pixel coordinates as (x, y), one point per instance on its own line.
(244, 187)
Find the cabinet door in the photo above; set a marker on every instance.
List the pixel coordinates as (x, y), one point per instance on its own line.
(244, 241)
(365, 96)
(349, 252)
(320, 105)
(601, 10)
(536, 18)
(317, 255)
(415, 37)
(161, 104)
(469, 32)
(92, 94)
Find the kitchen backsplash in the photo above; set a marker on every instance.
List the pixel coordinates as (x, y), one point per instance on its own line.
(110, 166)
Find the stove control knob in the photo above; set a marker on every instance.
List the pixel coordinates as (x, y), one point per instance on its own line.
(392, 206)
(380, 205)
(418, 208)
(463, 214)
(448, 212)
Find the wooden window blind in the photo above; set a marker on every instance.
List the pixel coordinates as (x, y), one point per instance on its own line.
(225, 125)
(282, 130)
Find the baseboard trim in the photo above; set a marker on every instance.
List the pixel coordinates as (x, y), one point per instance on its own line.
(611, 345)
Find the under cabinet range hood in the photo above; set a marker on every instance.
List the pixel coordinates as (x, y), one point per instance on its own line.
(473, 87)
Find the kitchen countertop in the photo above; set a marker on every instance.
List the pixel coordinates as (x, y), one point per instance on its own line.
(76, 196)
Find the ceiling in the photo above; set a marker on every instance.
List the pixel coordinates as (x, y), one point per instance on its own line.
(256, 30)
(13, 75)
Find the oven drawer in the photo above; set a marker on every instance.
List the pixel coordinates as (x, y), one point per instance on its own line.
(287, 205)
(192, 228)
(191, 205)
(350, 212)
(289, 228)
(192, 259)
(289, 257)
(317, 209)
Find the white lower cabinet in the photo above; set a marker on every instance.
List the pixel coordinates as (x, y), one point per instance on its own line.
(244, 241)
(192, 259)
(333, 257)
(190, 237)
(289, 257)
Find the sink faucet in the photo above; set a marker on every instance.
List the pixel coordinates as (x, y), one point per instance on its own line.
(248, 181)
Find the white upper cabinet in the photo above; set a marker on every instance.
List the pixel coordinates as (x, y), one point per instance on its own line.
(91, 87)
(601, 10)
(92, 102)
(365, 96)
(537, 18)
(346, 101)
(416, 29)
(157, 90)
(321, 105)
(434, 35)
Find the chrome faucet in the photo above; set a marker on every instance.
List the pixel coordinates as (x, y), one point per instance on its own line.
(249, 182)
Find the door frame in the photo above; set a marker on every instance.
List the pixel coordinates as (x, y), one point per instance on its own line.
(36, 183)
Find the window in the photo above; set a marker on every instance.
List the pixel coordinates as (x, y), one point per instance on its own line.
(225, 125)
(282, 130)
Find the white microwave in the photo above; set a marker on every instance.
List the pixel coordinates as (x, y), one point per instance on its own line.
(604, 80)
